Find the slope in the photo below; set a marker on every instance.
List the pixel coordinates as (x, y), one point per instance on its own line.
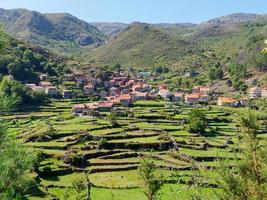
(59, 31)
(143, 45)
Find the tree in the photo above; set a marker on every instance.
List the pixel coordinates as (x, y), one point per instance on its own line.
(117, 67)
(4, 61)
(15, 163)
(237, 70)
(161, 69)
(113, 119)
(15, 160)
(12, 166)
(197, 121)
(3, 39)
(238, 84)
(152, 183)
(259, 60)
(248, 177)
(8, 99)
(215, 73)
(82, 187)
(16, 94)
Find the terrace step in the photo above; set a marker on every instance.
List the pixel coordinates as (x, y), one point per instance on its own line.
(114, 169)
(113, 163)
(119, 137)
(136, 146)
(107, 169)
(121, 155)
(100, 154)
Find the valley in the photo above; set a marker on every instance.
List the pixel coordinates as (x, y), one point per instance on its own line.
(132, 111)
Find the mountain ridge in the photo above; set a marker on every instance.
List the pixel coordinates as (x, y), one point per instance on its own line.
(63, 30)
(137, 43)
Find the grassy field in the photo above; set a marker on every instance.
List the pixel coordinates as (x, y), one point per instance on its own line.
(113, 154)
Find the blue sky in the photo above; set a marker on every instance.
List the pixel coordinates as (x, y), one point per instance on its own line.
(151, 11)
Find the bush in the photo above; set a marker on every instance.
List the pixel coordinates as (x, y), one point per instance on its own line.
(197, 121)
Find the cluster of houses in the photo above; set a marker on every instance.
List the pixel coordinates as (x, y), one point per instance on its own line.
(229, 101)
(44, 86)
(123, 90)
(258, 92)
(253, 93)
(48, 88)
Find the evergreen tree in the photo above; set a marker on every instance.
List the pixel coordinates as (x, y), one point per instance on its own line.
(15, 160)
(152, 182)
(247, 179)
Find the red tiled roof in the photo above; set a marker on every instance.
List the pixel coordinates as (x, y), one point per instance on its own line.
(177, 94)
(106, 104)
(125, 97)
(140, 94)
(226, 99)
(204, 89)
(204, 95)
(78, 106)
(192, 96)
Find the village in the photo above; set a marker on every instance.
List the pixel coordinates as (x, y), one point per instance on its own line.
(123, 90)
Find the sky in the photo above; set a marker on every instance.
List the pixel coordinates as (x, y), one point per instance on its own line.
(150, 11)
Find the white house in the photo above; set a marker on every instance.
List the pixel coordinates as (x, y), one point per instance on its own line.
(165, 94)
(51, 91)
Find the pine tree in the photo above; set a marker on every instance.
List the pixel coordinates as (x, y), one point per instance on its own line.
(152, 182)
(247, 179)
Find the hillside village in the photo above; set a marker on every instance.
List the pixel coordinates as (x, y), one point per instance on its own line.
(123, 90)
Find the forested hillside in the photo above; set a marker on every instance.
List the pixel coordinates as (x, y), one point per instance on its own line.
(227, 38)
(140, 45)
(143, 45)
(23, 63)
(57, 31)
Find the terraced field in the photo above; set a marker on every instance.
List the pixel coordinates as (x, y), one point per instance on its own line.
(73, 145)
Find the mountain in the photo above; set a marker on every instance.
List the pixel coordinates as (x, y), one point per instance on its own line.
(168, 26)
(58, 31)
(142, 44)
(188, 45)
(235, 18)
(110, 29)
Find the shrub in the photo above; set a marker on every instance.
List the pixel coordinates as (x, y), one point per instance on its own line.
(197, 121)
